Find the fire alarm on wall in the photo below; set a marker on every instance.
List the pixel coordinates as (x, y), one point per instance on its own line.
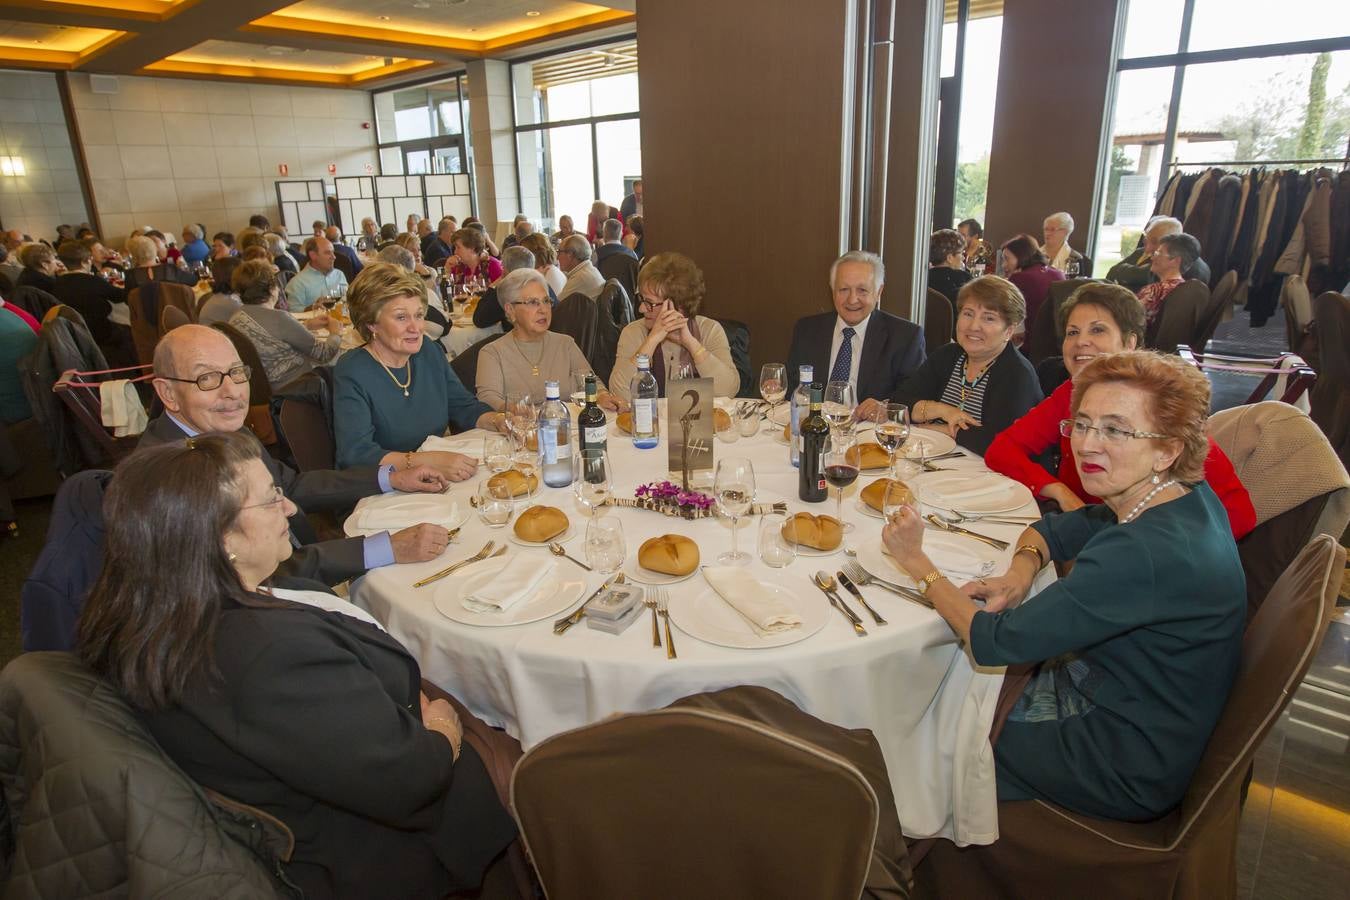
(365, 125)
(332, 168)
(283, 169)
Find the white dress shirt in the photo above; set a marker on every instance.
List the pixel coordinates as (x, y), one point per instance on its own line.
(838, 340)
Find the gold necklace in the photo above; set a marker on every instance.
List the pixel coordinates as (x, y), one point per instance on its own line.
(534, 364)
(390, 372)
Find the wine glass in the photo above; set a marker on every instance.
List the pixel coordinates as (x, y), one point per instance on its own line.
(497, 450)
(591, 479)
(839, 402)
(892, 428)
(734, 488)
(898, 495)
(773, 383)
(1071, 268)
(520, 418)
(605, 548)
(841, 470)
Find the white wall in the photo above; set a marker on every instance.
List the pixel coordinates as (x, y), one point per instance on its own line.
(33, 128)
(168, 151)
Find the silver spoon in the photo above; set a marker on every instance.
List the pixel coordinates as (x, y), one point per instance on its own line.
(557, 550)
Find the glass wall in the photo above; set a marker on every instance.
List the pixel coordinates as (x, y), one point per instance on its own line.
(1239, 86)
(577, 132)
(421, 129)
(979, 85)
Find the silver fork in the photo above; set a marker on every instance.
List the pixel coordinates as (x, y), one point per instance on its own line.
(650, 599)
(477, 557)
(663, 607)
(860, 575)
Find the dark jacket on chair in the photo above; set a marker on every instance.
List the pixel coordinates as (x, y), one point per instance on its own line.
(328, 562)
(63, 343)
(54, 593)
(1012, 390)
(315, 720)
(892, 350)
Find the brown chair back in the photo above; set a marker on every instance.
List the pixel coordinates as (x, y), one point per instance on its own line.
(145, 304)
(1182, 318)
(465, 364)
(170, 317)
(259, 419)
(1330, 397)
(1298, 311)
(692, 803)
(938, 321)
(1214, 314)
(306, 431)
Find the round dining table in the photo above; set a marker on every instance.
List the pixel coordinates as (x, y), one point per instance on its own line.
(909, 681)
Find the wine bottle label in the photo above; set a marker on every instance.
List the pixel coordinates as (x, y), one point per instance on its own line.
(595, 436)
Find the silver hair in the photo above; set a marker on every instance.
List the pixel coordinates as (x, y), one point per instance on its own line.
(862, 256)
(612, 230)
(399, 256)
(275, 245)
(1174, 226)
(194, 230)
(517, 257)
(1064, 218)
(512, 283)
(577, 245)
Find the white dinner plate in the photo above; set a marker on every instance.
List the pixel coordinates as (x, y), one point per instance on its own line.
(455, 514)
(938, 443)
(704, 615)
(803, 550)
(960, 559)
(555, 594)
(635, 573)
(567, 533)
(1004, 494)
(867, 510)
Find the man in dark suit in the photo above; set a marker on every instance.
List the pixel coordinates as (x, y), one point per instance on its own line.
(632, 204)
(436, 248)
(353, 264)
(191, 352)
(857, 342)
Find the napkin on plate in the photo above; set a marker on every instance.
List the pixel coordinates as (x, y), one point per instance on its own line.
(765, 612)
(402, 511)
(511, 585)
(956, 566)
(467, 446)
(996, 485)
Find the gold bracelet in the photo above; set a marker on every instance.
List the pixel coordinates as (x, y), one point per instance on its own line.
(455, 744)
(701, 351)
(407, 459)
(1040, 556)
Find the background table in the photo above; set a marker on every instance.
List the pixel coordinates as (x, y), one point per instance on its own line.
(908, 682)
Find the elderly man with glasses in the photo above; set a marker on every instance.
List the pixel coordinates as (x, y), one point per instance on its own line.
(574, 258)
(204, 387)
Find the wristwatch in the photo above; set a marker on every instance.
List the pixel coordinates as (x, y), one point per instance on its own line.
(927, 581)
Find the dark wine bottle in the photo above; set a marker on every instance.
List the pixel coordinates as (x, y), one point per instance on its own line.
(592, 427)
(815, 433)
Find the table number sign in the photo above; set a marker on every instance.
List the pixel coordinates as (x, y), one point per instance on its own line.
(689, 430)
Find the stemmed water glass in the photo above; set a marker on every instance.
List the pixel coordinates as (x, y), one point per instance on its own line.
(773, 383)
(841, 469)
(734, 488)
(591, 480)
(892, 428)
(839, 402)
(497, 450)
(520, 419)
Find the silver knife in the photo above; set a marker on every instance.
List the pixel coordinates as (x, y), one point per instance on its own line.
(572, 618)
(853, 589)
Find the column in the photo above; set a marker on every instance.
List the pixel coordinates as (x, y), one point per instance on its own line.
(492, 136)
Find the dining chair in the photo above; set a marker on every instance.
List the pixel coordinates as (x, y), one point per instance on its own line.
(1044, 850)
(1220, 307)
(1298, 313)
(170, 317)
(731, 794)
(1183, 313)
(938, 321)
(305, 429)
(1298, 487)
(465, 364)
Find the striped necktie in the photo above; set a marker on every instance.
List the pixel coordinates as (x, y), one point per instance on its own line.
(843, 363)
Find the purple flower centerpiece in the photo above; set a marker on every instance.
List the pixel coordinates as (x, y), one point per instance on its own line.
(672, 500)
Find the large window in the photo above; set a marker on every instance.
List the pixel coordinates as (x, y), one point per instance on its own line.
(577, 134)
(1224, 82)
(966, 131)
(421, 129)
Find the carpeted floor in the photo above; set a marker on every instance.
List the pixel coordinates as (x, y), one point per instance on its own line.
(17, 556)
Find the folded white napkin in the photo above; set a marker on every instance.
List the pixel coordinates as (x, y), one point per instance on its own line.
(760, 607)
(983, 488)
(511, 585)
(120, 407)
(958, 567)
(403, 510)
(467, 446)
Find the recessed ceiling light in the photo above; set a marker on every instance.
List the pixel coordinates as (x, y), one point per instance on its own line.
(421, 4)
(383, 18)
(532, 12)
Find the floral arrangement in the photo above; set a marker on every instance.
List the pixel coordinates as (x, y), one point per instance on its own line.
(668, 494)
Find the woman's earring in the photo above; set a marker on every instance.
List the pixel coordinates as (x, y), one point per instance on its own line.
(1157, 479)
(231, 557)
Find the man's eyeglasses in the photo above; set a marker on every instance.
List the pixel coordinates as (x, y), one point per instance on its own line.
(1109, 433)
(209, 381)
(277, 497)
(531, 305)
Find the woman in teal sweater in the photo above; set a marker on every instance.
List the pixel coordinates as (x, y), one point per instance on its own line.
(399, 389)
(1139, 644)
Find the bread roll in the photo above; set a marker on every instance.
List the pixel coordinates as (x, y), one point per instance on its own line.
(721, 419)
(787, 433)
(818, 532)
(519, 483)
(874, 495)
(670, 554)
(625, 422)
(870, 455)
(540, 523)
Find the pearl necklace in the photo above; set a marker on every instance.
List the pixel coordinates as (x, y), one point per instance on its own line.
(1139, 507)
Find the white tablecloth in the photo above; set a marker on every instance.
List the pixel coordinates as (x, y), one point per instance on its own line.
(461, 337)
(908, 681)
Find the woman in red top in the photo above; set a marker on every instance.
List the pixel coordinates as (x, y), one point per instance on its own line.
(1026, 266)
(1098, 319)
(470, 257)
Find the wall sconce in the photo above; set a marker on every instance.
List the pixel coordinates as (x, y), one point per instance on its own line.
(11, 166)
